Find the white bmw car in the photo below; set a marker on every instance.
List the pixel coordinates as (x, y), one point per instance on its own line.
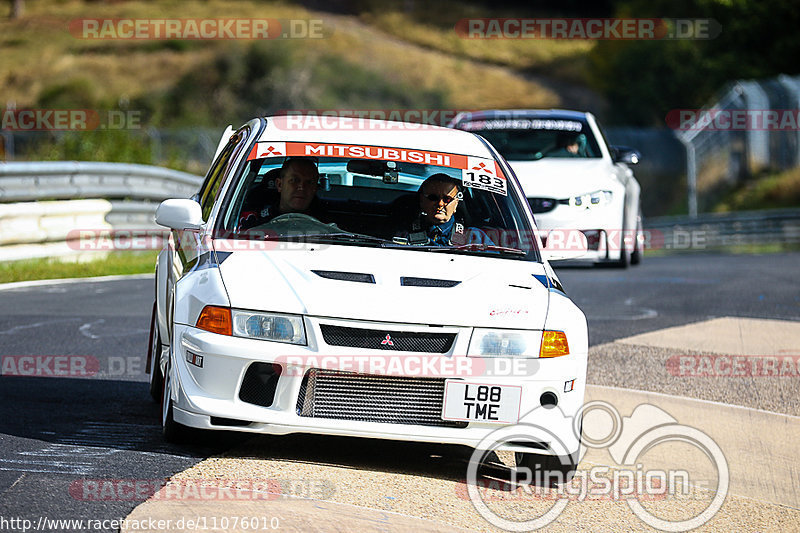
(573, 179)
(337, 321)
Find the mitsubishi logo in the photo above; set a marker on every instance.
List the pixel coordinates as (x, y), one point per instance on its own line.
(484, 168)
(273, 151)
(387, 341)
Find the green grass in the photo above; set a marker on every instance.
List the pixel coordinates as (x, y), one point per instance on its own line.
(119, 263)
(765, 192)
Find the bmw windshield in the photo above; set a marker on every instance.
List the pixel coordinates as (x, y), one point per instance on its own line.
(423, 201)
(522, 139)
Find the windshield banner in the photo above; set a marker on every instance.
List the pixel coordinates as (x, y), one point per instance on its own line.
(383, 153)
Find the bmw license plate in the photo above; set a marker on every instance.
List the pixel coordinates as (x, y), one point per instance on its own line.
(480, 402)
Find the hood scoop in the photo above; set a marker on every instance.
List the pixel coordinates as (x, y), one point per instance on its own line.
(357, 277)
(427, 282)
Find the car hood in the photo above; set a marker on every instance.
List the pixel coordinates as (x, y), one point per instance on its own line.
(492, 292)
(563, 177)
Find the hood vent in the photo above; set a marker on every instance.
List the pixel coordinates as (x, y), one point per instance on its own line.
(427, 282)
(345, 276)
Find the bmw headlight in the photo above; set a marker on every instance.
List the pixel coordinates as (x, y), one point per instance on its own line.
(269, 327)
(592, 199)
(504, 343)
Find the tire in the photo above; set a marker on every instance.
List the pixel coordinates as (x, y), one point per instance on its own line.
(549, 466)
(171, 430)
(622, 262)
(638, 253)
(156, 378)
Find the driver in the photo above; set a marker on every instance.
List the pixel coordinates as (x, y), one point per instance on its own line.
(435, 223)
(297, 189)
(570, 146)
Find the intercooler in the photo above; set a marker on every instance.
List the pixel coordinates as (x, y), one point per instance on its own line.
(370, 398)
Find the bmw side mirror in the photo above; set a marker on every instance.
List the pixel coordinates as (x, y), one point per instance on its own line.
(624, 154)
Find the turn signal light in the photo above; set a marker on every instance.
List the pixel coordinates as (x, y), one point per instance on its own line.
(554, 344)
(216, 320)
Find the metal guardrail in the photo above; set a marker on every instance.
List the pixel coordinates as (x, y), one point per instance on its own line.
(720, 230)
(70, 180)
(119, 196)
(43, 205)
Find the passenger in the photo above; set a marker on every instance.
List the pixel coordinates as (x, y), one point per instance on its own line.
(297, 188)
(435, 223)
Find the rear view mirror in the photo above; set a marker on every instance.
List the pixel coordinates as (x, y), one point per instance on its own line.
(386, 170)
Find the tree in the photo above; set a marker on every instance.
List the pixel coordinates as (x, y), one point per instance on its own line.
(17, 7)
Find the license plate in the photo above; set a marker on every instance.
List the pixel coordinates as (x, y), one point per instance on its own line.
(479, 402)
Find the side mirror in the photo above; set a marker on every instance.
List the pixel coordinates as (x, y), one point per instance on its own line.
(179, 214)
(625, 154)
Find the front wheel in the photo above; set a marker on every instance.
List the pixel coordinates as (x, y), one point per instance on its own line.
(549, 470)
(156, 378)
(622, 262)
(638, 252)
(172, 431)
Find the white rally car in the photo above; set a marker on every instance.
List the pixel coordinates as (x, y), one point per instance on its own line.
(573, 179)
(343, 324)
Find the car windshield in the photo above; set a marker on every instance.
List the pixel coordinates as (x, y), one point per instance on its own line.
(377, 203)
(533, 139)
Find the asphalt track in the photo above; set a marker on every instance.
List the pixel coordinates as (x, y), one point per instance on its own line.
(59, 435)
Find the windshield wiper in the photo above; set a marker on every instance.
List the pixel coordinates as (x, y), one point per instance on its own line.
(354, 238)
(477, 247)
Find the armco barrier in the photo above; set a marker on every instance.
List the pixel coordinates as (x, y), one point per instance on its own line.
(42, 202)
(70, 180)
(119, 196)
(721, 230)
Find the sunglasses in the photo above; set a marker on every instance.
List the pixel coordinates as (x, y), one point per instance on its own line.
(446, 199)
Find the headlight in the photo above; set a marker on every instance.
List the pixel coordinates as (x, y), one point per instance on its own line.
(504, 343)
(592, 199)
(269, 327)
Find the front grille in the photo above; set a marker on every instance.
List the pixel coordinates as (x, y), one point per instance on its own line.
(365, 398)
(542, 205)
(380, 339)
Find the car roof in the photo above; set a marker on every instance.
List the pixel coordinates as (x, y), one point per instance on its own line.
(368, 132)
(490, 114)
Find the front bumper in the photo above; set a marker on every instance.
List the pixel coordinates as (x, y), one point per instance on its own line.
(602, 226)
(208, 397)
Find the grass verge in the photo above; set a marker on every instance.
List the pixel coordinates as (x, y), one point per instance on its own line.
(767, 192)
(119, 263)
